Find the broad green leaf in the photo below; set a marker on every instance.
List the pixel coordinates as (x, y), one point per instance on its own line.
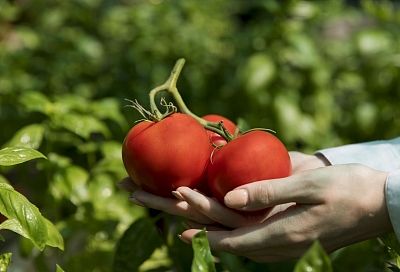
(71, 103)
(15, 155)
(54, 238)
(5, 260)
(393, 267)
(25, 219)
(110, 165)
(390, 240)
(231, 262)
(30, 137)
(258, 72)
(314, 260)
(70, 182)
(180, 253)
(109, 108)
(2, 238)
(202, 259)
(111, 149)
(36, 101)
(111, 204)
(58, 268)
(3, 179)
(136, 245)
(80, 124)
(157, 261)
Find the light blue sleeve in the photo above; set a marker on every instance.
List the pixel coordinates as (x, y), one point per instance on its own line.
(393, 200)
(380, 155)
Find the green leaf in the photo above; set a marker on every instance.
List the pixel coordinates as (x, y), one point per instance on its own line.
(231, 262)
(390, 240)
(3, 179)
(70, 182)
(202, 259)
(5, 260)
(80, 124)
(393, 267)
(314, 260)
(258, 72)
(15, 155)
(54, 238)
(111, 149)
(25, 218)
(58, 268)
(109, 108)
(136, 245)
(35, 101)
(30, 137)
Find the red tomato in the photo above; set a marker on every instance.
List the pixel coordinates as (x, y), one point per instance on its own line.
(215, 137)
(254, 156)
(161, 156)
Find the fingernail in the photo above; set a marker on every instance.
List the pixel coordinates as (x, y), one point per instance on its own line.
(178, 195)
(136, 201)
(237, 198)
(182, 239)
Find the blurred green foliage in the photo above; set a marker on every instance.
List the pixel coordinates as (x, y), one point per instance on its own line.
(320, 73)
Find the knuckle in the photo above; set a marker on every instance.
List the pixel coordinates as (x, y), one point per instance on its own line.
(263, 193)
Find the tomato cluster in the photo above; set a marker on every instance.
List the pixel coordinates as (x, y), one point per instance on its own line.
(179, 151)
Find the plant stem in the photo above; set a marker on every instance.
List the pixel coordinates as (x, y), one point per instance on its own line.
(170, 86)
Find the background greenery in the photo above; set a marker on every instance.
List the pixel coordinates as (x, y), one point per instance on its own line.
(320, 73)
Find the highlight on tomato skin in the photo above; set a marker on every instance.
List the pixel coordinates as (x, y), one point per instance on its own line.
(162, 156)
(253, 156)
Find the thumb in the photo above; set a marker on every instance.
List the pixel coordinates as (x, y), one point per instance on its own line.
(267, 193)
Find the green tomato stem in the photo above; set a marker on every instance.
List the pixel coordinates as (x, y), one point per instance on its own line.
(170, 86)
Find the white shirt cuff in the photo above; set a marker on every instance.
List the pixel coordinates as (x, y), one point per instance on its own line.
(393, 200)
(379, 155)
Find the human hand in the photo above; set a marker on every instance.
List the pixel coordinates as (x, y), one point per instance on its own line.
(201, 210)
(339, 205)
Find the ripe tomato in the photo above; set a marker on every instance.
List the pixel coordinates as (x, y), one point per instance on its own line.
(215, 138)
(253, 156)
(161, 156)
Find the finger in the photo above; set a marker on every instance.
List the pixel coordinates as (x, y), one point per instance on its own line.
(258, 195)
(214, 210)
(127, 184)
(218, 240)
(222, 241)
(196, 225)
(282, 231)
(168, 205)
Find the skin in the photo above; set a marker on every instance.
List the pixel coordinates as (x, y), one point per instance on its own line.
(339, 205)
